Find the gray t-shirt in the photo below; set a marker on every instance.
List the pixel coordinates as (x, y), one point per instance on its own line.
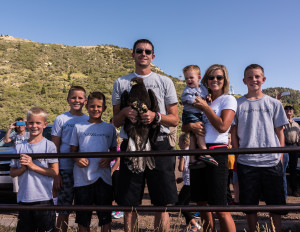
(16, 139)
(189, 95)
(93, 137)
(62, 127)
(34, 186)
(162, 86)
(256, 121)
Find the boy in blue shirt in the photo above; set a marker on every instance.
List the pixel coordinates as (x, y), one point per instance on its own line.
(92, 176)
(35, 176)
(61, 133)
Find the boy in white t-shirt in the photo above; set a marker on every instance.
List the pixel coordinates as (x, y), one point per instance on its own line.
(35, 175)
(92, 176)
(61, 133)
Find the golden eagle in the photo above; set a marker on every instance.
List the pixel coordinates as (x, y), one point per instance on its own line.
(140, 136)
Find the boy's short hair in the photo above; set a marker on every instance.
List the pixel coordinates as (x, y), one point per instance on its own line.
(97, 95)
(254, 66)
(288, 107)
(37, 111)
(193, 67)
(74, 88)
(215, 67)
(142, 41)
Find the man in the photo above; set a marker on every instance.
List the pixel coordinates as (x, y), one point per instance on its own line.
(160, 180)
(291, 136)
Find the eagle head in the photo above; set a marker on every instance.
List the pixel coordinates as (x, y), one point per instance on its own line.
(136, 80)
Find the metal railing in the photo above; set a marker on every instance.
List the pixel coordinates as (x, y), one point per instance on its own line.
(177, 208)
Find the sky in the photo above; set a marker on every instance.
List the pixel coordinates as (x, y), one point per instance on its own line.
(234, 33)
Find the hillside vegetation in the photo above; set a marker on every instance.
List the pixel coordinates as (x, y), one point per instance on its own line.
(40, 74)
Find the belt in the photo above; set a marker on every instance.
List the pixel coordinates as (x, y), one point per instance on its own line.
(290, 144)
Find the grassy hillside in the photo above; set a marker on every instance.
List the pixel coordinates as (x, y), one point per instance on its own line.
(38, 74)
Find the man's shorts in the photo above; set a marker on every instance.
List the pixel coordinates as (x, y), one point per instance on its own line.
(209, 184)
(36, 220)
(98, 193)
(160, 180)
(66, 193)
(257, 182)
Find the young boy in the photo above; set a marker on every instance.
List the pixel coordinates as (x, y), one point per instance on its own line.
(184, 196)
(191, 114)
(35, 175)
(259, 122)
(92, 176)
(61, 133)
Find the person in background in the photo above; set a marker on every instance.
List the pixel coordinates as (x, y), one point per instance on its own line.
(21, 135)
(291, 137)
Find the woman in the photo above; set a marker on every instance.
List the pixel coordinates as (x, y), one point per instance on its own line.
(209, 184)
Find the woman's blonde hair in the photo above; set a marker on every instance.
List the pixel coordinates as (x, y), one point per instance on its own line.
(215, 67)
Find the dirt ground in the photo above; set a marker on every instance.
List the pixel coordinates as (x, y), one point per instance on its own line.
(290, 222)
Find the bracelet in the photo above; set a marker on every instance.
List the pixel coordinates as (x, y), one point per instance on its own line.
(159, 115)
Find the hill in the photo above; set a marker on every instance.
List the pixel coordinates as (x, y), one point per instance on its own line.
(40, 74)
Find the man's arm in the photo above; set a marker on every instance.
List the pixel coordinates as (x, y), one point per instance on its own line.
(280, 135)
(6, 138)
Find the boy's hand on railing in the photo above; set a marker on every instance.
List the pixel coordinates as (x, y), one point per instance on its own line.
(82, 162)
(26, 160)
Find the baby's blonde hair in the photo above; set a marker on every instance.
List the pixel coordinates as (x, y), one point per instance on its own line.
(184, 139)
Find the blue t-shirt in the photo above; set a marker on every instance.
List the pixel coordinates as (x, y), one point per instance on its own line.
(93, 137)
(62, 127)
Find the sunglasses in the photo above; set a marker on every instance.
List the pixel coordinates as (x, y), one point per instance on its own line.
(140, 51)
(219, 77)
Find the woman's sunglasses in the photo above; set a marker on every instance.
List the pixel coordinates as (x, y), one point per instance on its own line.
(140, 51)
(219, 77)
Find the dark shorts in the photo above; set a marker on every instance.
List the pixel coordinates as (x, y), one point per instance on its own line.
(210, 183)
(160, 181)
(261, 182)
(98, 193)
(41, 221)
(66, 193)
(189, 117)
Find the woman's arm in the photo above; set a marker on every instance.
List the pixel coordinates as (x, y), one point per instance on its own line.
(222, 123)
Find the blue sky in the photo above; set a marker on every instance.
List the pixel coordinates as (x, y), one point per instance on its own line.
(235, 33)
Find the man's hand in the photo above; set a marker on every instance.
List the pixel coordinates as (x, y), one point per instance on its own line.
(82, 162)
(104, 162)
(148, 117)
(130, 113)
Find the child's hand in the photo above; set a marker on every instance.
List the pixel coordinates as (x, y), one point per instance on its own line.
(26, 160)
(57, 184)
(208, 99)
(82, 162)
(104, 163)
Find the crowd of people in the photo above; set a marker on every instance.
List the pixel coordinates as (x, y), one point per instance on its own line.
(210, 115)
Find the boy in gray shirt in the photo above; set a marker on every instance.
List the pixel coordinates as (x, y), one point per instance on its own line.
(35, 175)
(259, 122)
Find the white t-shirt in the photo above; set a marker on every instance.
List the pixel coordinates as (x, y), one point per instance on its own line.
(224, 102)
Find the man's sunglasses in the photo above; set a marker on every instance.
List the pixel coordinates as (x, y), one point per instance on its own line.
(140, 51)
(219, 77)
